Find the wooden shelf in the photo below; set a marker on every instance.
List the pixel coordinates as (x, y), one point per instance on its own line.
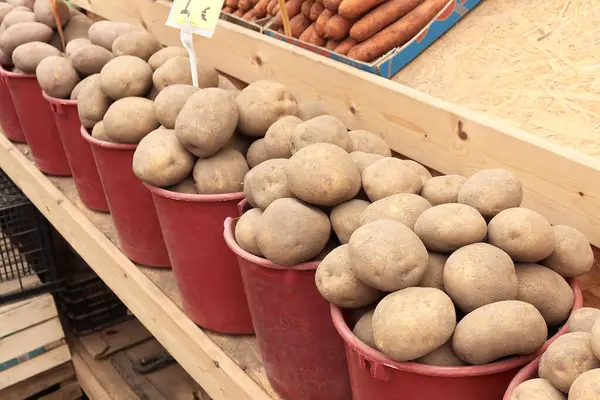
(227, 367)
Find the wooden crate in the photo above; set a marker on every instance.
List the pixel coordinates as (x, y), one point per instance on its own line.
(32, 340)
(58, 383)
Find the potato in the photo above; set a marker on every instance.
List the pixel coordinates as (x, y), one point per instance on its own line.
(4, 10)
(363, 160)
(206, 122)
(83, 83)
(57, 76)
(21, 3)
(157, 59)
(363, 329)
(586, 386)
(99, 133)
(480, 274)
(419, 169)
(104, 33)
(17, 17)
(90, 59)
(524, 234)
(346, 218)
(309, 109)
(491, 191)
(221, 174)
(413, 322)
(443, 356)
(323, 174)
(322, 129)
(595, 338)
(582, 320)
(177, 70)
(256, 153)
(130, 119)
(442, 189)
(434, 274)
(246, 229)
(92, 104)
(77, 28)
(390, 176)
(498, 330)
(43, 12)
(169, 102)
(225, 83)
(125, 76)
(292, 232)
(76, 44)
(573, 255)
(186, 186)
(403, 207)
(261, 103)
(566, 359)
(387, 255)
(368, 142)
(27, 56)
(160, 160)
(137, 44)
(278, 139)
(537, 389)
(447, 227)
(267, 182)
(331, 245)
(338, 284)
(547, 291)
(23, 33)
(239, 143)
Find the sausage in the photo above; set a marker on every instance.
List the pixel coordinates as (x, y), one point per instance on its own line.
(245, 5)
(332, 44)
(260, 9)
(316, 10)
(305, 9)
(299, 24)
(381, 17)
(399, 32)
(271, 6)
(228, 10)
(249, 16)
(332, 4)
(238, 13)
(337, 27)
(292, 7)
(322, 20)
(316, 39)
(345, 46)
(353, 9)
(307, 34)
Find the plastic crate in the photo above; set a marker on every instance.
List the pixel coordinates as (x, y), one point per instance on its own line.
(28, 264)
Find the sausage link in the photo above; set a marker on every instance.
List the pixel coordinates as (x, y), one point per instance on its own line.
(299, 24)
(337, 27)
(345, 46)
(332, 4)
(305, 9)
(382, 16)
(316, 10)
(322, 20)
(353, 9)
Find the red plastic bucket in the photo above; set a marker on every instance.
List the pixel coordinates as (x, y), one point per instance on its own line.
(375, 376)
(207, 273)
(527, 373)
(79, 153)
(8, 115)
(302, 353)
(37, 123)
(129, 202)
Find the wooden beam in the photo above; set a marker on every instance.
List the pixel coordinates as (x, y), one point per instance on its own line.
(560, 183)
(191, 347)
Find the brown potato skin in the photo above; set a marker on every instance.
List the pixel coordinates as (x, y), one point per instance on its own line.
(130, 119)
(266, 183)
(138, 44)
(363, 329)
(157, 59)
(169, 103)
(443, 189)
(573, 255)
(27, 56)
(403, 207)
(220, 174)
(23, 33)
(443, 356)
(390, 176)
(434, 274)
(43, 12)
(346, 218)
(491, 191)
(278, 139)
(586, 386)
(583, 320)
(104, 33)
(57, 76)
(90, 59)
(537, 389)
(77, 28)
(125, 76)
(321, 129)
(363, 160)
(92, 104)
(17, 17)
(246, 230)
(177, 70)
(368, 142)
(256, 153)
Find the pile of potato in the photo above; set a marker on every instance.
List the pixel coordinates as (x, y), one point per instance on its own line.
(571, 365)
(361, 29)
(450, 271)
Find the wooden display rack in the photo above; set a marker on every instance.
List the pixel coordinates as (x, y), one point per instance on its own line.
(560, 183)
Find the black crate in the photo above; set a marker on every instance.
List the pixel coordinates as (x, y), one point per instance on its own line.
(28, 264)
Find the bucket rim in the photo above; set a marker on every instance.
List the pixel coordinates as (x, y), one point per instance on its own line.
(193, 198)
(375, 357)
(526, 373)
(228, 230)
(105, 145)
(10, 74)
(56, 100)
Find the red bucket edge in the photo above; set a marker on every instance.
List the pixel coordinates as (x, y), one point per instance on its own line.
(449, 372)
(228, 234)
(10, 74)
(106, 145)
(528, 372)
(193, 198)
(56, 100)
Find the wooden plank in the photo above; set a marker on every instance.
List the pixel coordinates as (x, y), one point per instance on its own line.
(67, 391)
(87, 379)
(191, 347)
(560, 183)
(34, 366)
(116, 338)
(26, 282)
(36, 384)
(30, 339)
(20, 315)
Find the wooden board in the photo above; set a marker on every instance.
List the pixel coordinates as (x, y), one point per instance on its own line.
(32, 338)
(560, 183)
(22, 314)
(34, 366)
(38, 383)
(198, 354)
